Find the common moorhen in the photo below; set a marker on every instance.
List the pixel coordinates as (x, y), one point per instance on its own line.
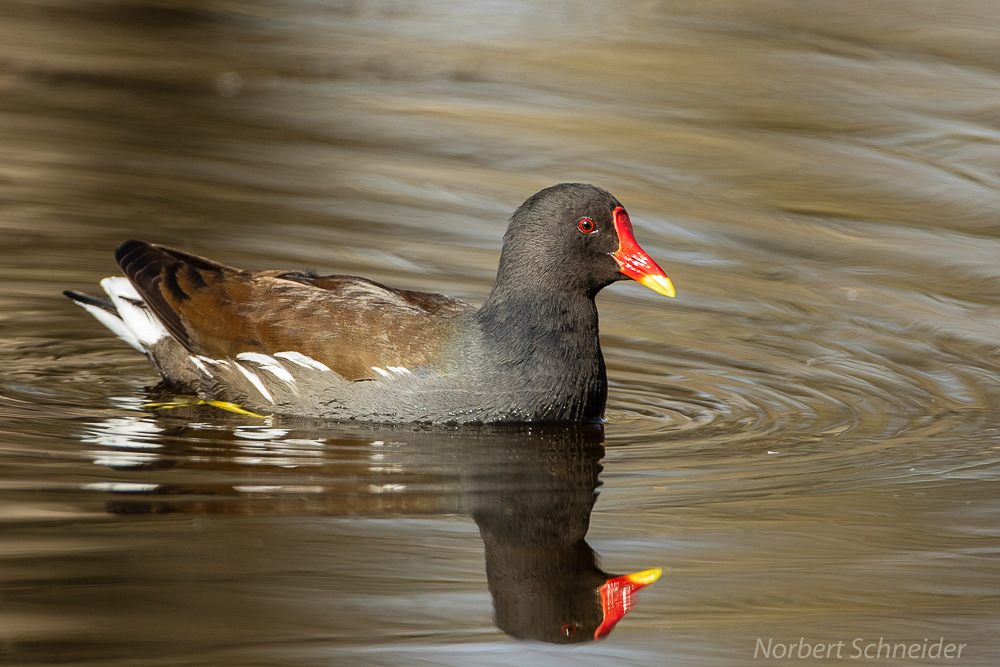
(348, 348)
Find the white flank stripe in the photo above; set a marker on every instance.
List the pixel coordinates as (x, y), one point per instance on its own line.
(200, 366)
(268, 364)
(140, 322)
(250, 375)
(402, 370)
(209, 360)
(382, 372)
(302, 360)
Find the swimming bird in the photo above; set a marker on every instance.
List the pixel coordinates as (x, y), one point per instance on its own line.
(348, 348)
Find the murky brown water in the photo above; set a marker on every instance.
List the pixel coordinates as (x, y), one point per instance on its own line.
(806, 439)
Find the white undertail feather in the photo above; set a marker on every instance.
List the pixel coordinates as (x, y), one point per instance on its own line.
(114, 323)
(138, 327)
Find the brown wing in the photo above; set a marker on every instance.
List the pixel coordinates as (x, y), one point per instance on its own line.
(348, 323)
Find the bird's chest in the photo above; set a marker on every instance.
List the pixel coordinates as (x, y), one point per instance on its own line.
(550, 378)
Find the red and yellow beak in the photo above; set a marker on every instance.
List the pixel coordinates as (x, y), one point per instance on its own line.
(634, 261)
(617, 594)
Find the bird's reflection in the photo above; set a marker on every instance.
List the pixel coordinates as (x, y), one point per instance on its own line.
(529, 490)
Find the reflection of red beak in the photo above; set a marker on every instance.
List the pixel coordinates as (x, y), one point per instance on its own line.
(634, 261)
(617, 596)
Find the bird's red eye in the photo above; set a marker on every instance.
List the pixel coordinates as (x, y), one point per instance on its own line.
(569, 629)
(586, 225)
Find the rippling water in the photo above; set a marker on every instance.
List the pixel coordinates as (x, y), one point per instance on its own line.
(805, 439)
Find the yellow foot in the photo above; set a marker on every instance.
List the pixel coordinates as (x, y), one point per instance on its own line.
(183, 402)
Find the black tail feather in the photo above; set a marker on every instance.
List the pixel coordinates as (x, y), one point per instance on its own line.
(101, 302)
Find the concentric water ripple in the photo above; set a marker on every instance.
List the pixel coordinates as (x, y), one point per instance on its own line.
(835, 379)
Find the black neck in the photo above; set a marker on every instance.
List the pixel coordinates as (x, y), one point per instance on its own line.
(543, 345)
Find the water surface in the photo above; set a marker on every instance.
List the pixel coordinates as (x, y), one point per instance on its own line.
(805, 439)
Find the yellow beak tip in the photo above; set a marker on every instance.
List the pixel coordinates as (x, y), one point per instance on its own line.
(659, 284)
(646, 576)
